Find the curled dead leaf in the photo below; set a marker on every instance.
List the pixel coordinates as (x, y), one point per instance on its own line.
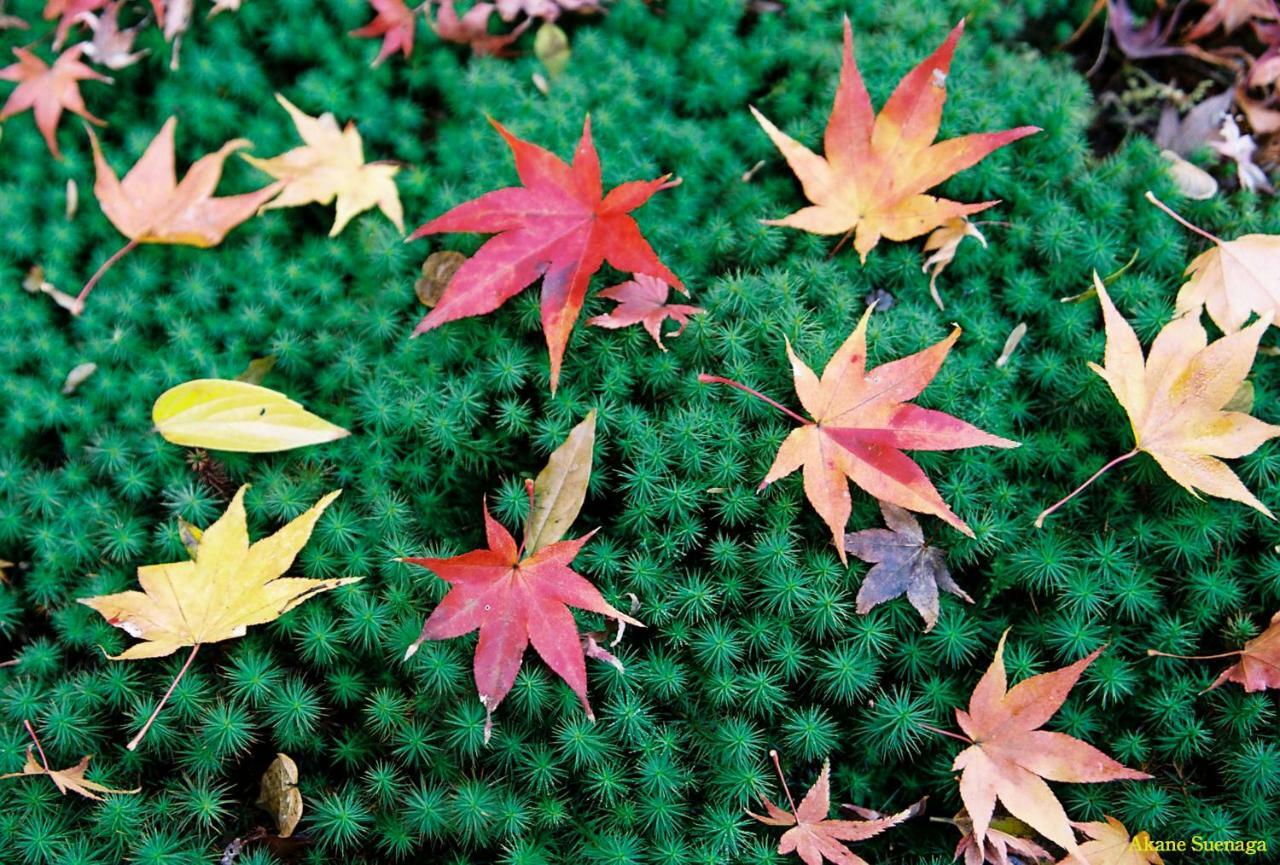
(437, 271)
(1192, 180)
(1011, 343)
(551, 47)
(76, 377)
(279, 795)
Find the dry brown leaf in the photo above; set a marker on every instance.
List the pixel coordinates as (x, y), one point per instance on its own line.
(560, 488)
(279, 795)
(437, 271)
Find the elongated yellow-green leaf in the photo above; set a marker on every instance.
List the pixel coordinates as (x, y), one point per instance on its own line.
(561, 488)
(225, 415)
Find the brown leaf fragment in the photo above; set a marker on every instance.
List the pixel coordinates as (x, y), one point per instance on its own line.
(257, 369)
(903, 565)
(437, 271)
(279, 795)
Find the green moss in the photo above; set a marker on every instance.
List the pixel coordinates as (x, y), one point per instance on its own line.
(752, 640)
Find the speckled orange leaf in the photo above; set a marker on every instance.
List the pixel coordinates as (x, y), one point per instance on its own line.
(876, 169)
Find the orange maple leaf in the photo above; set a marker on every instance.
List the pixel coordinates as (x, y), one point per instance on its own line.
(1259, 666)
(862, 421)
(47, 90)
(151, 206)
(811, 835)
(877, 167)
(1009, 757)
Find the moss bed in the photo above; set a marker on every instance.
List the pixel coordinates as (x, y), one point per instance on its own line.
(752, 640)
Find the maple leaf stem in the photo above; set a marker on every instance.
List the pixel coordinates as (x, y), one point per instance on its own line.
(947, 733)
(133, 743)
(1183, 222)
(1115, 462)
(1155, 653)
(715, 379)
(785, 789)
(93, 280)
(528, 488)
(34, 738)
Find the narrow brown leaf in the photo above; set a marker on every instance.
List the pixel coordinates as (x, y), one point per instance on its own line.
(561, 488)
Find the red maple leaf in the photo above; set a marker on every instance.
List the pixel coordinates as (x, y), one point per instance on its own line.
(396, 23)
(515, 601)
(47, 90)
(862, 422)
(559, 226)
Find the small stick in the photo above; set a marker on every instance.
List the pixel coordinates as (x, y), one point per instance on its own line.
(1115, 462)
(1153, 653)
(946, 733)
(1184, 223)
(93, 280)
(34, 738)
(133, 743)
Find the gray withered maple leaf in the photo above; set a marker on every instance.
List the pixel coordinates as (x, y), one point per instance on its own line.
(903, 565)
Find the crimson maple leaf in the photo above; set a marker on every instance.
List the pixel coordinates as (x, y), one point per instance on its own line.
(47, 90)
(396, 23)
(811, 835)
(862, 422)
(559, 226)
(515, 601)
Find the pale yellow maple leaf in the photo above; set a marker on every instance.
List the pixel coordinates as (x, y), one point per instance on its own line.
(228, 586)
(328, 167)
(1178, 399)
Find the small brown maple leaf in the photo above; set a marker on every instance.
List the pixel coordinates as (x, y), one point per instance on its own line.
(47, 90)
(472, 28)
(904, 565)
(811, 835)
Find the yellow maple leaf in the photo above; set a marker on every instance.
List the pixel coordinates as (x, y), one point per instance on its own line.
(330, 166)
(1178, 399)
(228, 586)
